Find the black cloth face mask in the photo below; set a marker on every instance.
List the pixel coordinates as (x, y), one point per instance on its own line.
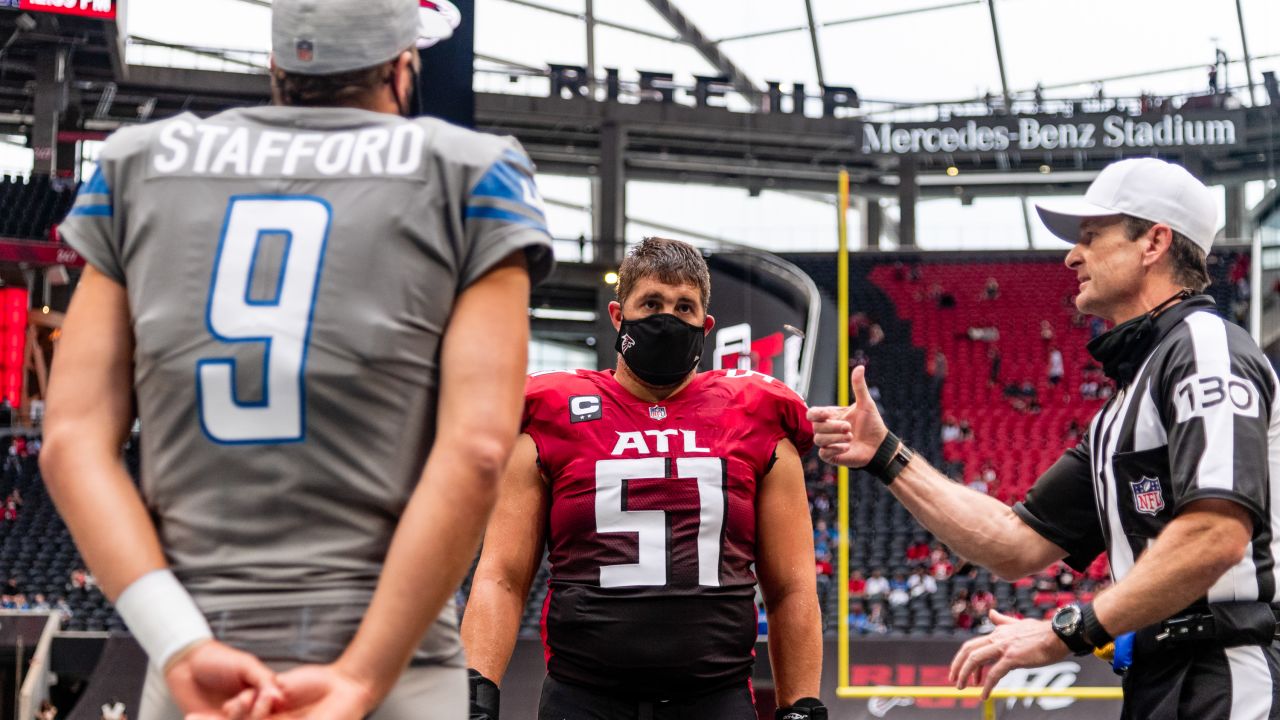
(660, 349)
(1123, 348)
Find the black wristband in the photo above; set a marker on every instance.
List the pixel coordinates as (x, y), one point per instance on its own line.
(1093, 632)
(884, 453)
(485, 696)
(890, 459)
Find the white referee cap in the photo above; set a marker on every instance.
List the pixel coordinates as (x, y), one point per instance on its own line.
(1146, 188)
(325, 37)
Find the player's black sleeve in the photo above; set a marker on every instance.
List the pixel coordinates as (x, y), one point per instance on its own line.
(1060, 506)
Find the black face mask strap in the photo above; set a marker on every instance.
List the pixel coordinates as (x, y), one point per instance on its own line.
(412, 108)
(415, 93)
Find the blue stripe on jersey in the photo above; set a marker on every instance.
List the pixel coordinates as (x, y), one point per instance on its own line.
(506, 183)
(516, 158)
(97, 184)
(493, 213)
(92, 211)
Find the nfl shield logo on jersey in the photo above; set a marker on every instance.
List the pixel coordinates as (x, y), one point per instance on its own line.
(657, 412)
(1147, 496)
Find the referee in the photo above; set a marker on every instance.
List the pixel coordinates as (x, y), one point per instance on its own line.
(1174, 479)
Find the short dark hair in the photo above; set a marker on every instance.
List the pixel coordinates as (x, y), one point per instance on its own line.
(1190, 267)
(352, 88)
(670, 261)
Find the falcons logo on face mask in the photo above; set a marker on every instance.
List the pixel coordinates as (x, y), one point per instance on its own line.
(627, 343)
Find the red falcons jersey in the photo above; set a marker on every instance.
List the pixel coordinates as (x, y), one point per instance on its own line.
(652, 527)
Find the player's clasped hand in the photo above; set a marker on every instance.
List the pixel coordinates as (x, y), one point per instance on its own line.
(1013, 644)
(849, 436)
(213, 681)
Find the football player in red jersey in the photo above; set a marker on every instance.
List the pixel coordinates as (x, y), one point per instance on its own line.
(655, 488)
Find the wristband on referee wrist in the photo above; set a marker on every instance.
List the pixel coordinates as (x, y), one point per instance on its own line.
(162, 616)
(890, 458)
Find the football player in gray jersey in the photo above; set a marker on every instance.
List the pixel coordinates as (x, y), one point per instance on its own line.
(318, 312)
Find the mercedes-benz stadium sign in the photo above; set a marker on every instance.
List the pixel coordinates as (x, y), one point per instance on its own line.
(1027, 133)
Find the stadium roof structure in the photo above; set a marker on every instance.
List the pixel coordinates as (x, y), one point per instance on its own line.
(902, 64)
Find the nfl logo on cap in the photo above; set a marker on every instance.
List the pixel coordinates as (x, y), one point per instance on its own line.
(306, 51)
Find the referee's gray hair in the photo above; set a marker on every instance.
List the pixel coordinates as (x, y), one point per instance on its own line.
(1190, 268)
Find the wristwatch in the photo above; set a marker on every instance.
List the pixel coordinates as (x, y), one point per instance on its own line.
(1068, 625)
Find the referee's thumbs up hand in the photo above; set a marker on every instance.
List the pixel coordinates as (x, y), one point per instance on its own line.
(849, 436)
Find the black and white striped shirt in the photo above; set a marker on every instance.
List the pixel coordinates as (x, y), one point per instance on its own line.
(1199, 420)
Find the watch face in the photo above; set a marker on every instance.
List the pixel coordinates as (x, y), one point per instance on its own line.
(1067, 619)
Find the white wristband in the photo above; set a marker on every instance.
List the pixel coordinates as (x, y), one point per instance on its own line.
(162, 616)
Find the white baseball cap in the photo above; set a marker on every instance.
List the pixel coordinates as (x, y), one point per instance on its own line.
(1146, 188)
(325, 37)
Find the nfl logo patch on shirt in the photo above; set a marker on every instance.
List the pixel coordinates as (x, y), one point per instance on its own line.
(657, 412)
(1148, 498)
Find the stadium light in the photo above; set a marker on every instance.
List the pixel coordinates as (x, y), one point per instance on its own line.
(952, 171)
(611, 278)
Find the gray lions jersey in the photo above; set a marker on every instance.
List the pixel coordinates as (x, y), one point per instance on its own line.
(290, 274)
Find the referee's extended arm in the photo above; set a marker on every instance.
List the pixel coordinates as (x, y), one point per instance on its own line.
(978, 527)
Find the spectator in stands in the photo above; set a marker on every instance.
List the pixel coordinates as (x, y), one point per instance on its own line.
(1073, 433)
(877, 584)
(960, 610)
(981, 601)
(1056, 370)
(918, 551)
(762, 621)
(997, 359)
(857, 584)
(10, 511)
(1097, 326)
(875, 335)
(1089, 388)
(825, 534)
(875, 620)
(950, 429)
(983, 333)
(966, 431)
(941, 569)
(938, 552)
(989, 475)
(899, 591)
(1066, 578)
(921, 584)
(822, 564)
(991, 290)
(1046, 331)
(857, 618)
(62, 608)
(39, 602)
(938, 365)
